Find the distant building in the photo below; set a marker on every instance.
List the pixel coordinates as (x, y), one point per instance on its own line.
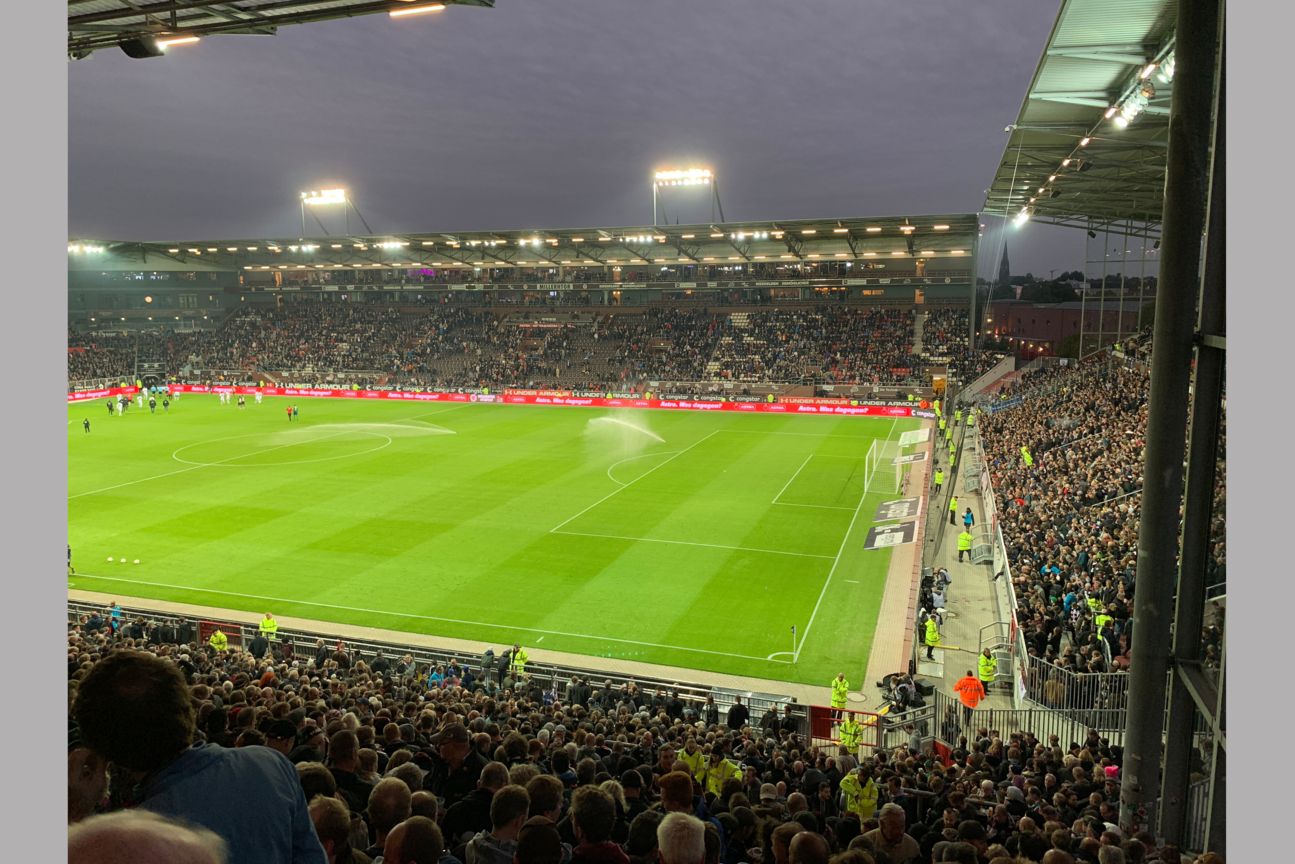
(1031, 329)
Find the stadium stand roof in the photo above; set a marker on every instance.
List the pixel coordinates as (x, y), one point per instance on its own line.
(870, 241)
(1071, 158)
(136, 26)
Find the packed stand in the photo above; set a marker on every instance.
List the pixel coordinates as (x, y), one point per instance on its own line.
(336, 757)
(1070, 519)
(96, 356)
(456, 347)
(1070, 522)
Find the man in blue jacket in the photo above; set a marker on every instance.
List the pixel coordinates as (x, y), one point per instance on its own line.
(134, 710)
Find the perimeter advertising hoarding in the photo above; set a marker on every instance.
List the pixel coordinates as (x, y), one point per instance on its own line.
(835, 407)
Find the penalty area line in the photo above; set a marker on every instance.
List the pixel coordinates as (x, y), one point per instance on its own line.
(286, 601)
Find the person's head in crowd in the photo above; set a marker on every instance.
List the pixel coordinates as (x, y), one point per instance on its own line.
(133, 708)
(417, 840)
(1057, 856)
(538, 842)
(509, 809)
(676, 792)
(453, 744)
(494, 776)
(282, 736)
(409, 774)
(141, 837)
(332, 820)
(711, 836)
(1033, 846)
(344, 750)
(390, 803)
(521, 774)
(1110, 855)
(424, 803)
(316, 779)
(853, 856)
(781, 843)
(681, 839)
(796, 803)
(892, 819)
(1135, 852)
(545, 792)
(808, 847)
(959, 853)
(641, 843)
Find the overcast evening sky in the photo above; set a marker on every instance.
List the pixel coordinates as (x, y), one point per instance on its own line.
(553, 113)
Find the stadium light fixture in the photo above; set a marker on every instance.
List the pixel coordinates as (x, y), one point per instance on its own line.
(873, 229)
(176, 40)
(695, 176)
(323, 197)
(1083, 142)
(417, 10)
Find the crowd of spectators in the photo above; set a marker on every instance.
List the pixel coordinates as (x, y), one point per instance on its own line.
(475, 766)
(1070, 514)
(452, 346)
(1070, 519)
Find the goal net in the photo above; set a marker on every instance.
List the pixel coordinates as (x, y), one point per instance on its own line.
(880, 472)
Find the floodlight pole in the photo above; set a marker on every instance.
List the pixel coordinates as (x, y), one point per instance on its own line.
(654, 193)
(303, 220)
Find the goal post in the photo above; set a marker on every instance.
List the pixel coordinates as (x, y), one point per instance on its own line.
(880, 473)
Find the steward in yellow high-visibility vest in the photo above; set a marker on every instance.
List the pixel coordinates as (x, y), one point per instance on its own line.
(987, 668)
(971, 418)
(718, 770)
(518, 663)
(936, 406)
(219, 640)
(269, 628)
(939, 478)
(1025, 454)
(860, 792)
(964, 545)
(957, 417)
(943, 423)
(953, 510)
(840, 689)
(932, 638)
(692, 756)
(851, 734)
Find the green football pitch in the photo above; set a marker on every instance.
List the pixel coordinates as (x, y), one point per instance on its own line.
(693, 539)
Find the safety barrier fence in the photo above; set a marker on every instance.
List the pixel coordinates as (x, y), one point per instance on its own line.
(301, 646)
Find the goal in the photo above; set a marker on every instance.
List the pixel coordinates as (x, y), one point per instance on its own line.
(880, 472)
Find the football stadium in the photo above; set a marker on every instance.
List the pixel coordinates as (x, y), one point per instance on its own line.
(692, 541)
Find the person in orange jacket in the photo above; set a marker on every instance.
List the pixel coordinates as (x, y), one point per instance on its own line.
(970, 691)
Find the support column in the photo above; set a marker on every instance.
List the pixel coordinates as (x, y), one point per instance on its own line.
(1198, 506)
(1186, 193)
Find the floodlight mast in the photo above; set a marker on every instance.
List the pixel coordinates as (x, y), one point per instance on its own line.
(686, 177)
(330, 197)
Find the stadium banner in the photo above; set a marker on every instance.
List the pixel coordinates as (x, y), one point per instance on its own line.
(802, 405)
(911, 457)
(513, 391)
(105, 393)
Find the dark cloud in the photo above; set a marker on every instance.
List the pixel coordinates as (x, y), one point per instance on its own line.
(553, 112)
